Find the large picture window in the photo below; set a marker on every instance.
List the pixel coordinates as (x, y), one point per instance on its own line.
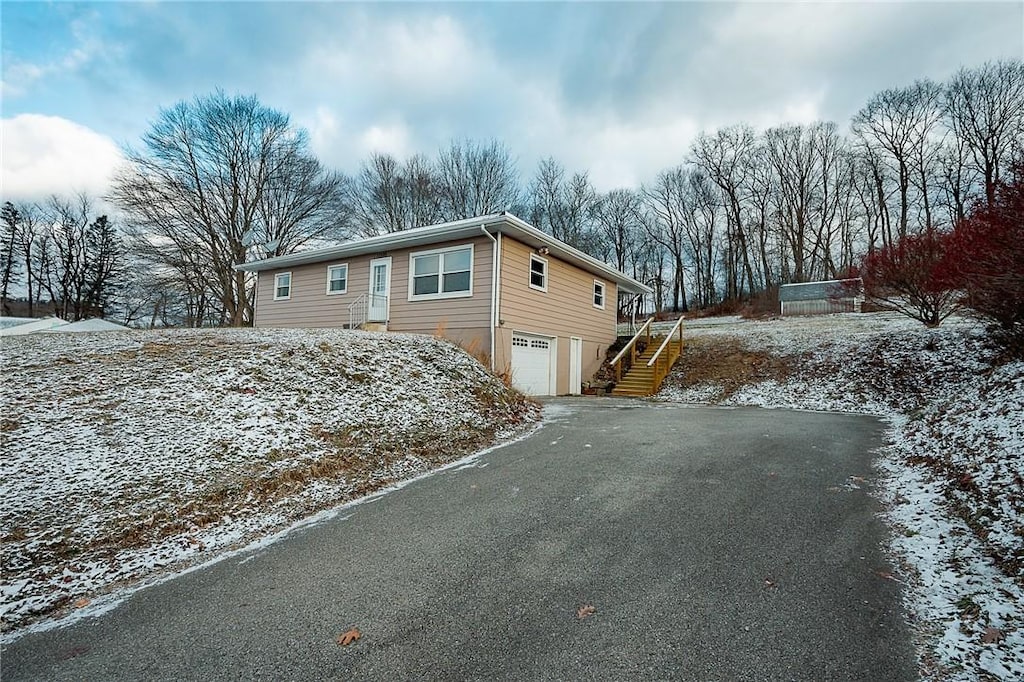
(441, 273)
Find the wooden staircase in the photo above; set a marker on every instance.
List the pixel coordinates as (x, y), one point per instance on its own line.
(640, 373)
(642, 380)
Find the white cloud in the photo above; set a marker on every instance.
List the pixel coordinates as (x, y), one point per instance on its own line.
(616, 152)
(418, 57)
(389, 139)
(621, 154)
(323, 130)
(20, 76)
(43, 155)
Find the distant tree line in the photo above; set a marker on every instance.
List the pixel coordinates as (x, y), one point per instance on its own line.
(220, 179)
(62, 258)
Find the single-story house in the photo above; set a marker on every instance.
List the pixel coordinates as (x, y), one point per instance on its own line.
(822, 298)
(527, 302)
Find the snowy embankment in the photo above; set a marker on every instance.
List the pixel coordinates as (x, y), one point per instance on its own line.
(125, 454)
(951, 476)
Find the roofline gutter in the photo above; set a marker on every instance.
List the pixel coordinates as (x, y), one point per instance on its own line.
(398, 240)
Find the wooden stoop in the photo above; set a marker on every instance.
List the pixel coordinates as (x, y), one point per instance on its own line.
(641, 380)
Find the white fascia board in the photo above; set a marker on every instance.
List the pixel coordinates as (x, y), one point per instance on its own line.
(458, 229)
(416, 236)
(573, 255)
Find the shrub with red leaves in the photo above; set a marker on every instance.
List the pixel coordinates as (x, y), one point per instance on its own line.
(908, 277)
(985, 260)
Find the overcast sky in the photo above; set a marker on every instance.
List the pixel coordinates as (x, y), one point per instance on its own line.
(616, 89)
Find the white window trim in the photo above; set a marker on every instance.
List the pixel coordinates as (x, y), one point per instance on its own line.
(440, 295)
(604, 293)
(291, 283)
(335, 267)
(529, 274)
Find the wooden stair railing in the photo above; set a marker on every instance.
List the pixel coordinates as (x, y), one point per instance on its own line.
(626, 357)
(666, 355)
(645, 376)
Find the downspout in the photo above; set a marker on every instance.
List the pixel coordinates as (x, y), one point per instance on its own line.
(495, 266)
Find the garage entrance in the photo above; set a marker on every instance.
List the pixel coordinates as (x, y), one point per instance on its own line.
(533, 363)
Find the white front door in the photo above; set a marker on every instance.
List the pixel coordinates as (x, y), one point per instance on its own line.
(533, 364)
(575, 365)
(380, 289)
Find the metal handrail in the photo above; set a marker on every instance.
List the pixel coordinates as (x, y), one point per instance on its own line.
(357, 310)
(668, 337)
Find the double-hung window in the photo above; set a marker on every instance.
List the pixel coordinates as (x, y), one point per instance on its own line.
(598, 294)
(538, 273)
(441, 273)
(282, 286)
(337, 279)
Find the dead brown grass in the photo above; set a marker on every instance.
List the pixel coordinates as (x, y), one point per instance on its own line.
(727, 363)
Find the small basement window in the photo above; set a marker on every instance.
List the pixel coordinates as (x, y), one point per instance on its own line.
(538, 273)
(599, 294)
(282, 286)
(337, 279)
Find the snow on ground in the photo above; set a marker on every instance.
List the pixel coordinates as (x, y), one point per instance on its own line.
(951, 475)
(131, 453)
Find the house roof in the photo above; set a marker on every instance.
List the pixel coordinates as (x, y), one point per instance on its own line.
(94, 324)
(504, 223)
(813, 291)
(32, 326)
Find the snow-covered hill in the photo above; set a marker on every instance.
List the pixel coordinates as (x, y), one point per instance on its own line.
(128, 453)
(951, 476)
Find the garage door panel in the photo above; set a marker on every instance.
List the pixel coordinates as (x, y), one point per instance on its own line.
(532, 363)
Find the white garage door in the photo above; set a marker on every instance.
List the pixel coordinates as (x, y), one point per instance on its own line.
(533, 364)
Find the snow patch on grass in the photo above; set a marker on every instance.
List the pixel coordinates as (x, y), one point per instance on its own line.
(135, 453)
(951, 475)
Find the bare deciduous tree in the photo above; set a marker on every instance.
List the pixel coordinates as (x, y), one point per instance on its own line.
(725, 159)
(899, 126)
(388, 196)
(558, 205)
(985, 108)
(476, 179)
(216, 178)
(668, 200)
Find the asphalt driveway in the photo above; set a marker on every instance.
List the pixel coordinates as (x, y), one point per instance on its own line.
(712, 544)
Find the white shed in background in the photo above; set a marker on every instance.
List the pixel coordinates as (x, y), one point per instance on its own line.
(822, 298)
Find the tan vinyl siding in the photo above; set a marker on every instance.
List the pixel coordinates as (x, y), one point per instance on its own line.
(457, 314)
(465, 320)
(566, 309)
(309, 305)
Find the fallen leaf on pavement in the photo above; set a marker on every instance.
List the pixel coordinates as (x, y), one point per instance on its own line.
(769, 583)
(584, 611)
(349, 636)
